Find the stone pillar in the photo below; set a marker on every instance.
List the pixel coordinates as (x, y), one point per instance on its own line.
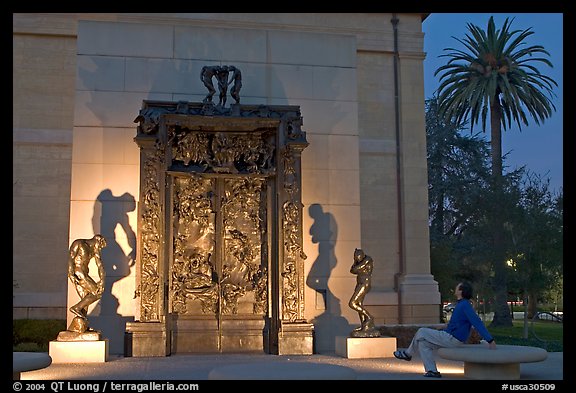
(419, 294)
(394, 183)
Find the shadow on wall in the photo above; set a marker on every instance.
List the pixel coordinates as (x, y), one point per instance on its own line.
(109, 213)
(330, 323)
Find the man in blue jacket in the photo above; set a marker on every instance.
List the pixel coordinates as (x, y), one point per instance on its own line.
(426, 340)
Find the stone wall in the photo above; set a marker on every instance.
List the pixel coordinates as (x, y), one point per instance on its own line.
(80, 80)
(43, 75)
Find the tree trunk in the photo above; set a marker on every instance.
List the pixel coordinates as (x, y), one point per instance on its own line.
(502, 316)
(532, 304)
(438, 223)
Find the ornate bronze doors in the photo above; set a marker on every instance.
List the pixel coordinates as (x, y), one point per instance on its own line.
(218, 293)
(220, 265)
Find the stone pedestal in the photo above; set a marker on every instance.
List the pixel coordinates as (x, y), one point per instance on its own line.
(296, 339)
(365, 347)
(142, 339)
(79, 351)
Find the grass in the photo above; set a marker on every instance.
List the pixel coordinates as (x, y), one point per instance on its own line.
(542, 334)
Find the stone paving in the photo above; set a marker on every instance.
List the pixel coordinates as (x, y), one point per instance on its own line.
(198, 367)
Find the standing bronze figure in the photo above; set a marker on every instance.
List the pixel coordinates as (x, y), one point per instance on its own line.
(236, 78)
(362, 267)
(206, 75)
(82, 251)
(222, 78)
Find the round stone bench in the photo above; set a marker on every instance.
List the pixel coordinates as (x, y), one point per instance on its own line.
(281, 370)
(28, 361)
(481, 362)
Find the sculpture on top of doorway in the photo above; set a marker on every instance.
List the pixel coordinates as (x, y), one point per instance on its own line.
(223, 79)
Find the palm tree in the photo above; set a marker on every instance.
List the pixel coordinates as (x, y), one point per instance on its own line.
(496, 75)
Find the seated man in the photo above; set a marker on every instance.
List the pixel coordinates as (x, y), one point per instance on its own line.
(426, 340)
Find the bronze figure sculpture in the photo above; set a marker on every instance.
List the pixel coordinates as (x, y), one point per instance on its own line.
(221, 73)
(82, 251)
(237, 79)
(362, 267)
(206, 76)
(222, 78)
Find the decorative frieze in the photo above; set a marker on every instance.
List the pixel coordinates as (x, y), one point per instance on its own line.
(222, 152)
(150, 232)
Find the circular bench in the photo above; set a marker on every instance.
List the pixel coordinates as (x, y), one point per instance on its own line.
(28, 361)
(481, 362)
(281, 370)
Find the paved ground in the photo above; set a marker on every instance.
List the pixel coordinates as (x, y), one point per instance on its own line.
(198, 367)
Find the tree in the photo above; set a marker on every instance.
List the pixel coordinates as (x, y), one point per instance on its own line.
(458, 174)
(536, 231)
(496, 75)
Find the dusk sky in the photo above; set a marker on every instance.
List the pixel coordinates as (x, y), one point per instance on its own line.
(539, 147)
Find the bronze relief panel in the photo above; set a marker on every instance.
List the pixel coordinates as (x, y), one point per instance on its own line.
(219, 266)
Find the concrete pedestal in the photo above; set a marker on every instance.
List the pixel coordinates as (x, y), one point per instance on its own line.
(79, 351)
(364, 348)
(143, 339)
(296, 339)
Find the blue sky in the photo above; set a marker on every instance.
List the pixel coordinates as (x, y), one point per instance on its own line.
(539, 147)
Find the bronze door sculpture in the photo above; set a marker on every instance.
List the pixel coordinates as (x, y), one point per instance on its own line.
(220, 264)
(219, 271)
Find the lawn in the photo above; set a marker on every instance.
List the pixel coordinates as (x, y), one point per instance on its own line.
(542, 334)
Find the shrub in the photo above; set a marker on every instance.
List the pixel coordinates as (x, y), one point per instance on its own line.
(29, 347)
(33, 335)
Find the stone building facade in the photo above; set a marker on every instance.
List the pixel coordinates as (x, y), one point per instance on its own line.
(357, 79)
